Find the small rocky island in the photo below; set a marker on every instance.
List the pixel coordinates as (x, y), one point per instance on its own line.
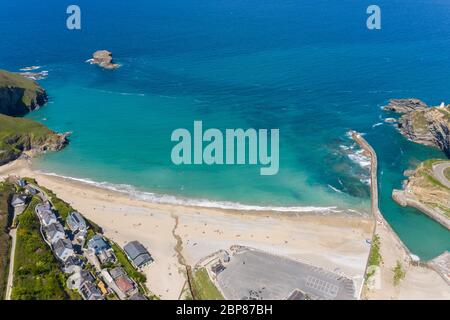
(19, 136)
(104, 59)
(19, 95)
(423, 124)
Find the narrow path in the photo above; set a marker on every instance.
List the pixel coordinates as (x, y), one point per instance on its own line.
(438, 170)
(181, 259)
(9, 285)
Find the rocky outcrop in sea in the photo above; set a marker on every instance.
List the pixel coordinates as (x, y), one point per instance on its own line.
(423, 124)
(104, 59)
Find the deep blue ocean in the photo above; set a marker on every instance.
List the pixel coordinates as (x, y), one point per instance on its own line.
(310, 68)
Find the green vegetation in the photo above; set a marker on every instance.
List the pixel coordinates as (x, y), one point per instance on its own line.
(6, 192)
(137, 276)
(29, 87)
(375, 258)
(399, 273)
(19, 134)
(204, 288)
(37, 275)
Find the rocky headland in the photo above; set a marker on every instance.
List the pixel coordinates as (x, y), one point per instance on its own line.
(104, 59)
(19, 95)
(423, 124)
(19, 136)
(426, 189)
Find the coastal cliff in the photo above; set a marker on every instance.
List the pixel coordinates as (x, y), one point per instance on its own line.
(19, 136)
(423, 124)
(19, 95)
(427, 189)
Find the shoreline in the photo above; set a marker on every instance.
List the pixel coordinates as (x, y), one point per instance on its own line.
(195, 202)
(402, 198)
(335, 242)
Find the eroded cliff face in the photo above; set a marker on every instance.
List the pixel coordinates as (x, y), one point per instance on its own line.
(14, 146)
(423, 124)
(19, 95)
(20, 136)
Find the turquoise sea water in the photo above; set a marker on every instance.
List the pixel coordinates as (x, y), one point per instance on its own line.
(309, 68)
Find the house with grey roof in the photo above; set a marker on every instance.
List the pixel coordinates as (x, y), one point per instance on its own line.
(30, 190)
(43, 207)
(90, 291)
(54, 232)
(48, 218)
(97, 244)
(116, 272)
(76, 280)
(18, 200)
(63, 249)
(73, 264)
(21, 183)
(137, 254)
(76, 222)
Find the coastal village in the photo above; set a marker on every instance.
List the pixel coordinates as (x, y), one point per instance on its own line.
(94, 267)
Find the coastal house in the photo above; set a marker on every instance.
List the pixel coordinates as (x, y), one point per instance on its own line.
(73, 264)
(76, 222)
(76, 280)
(137, 254)
(21, 183)
(47, 218)
(43, 207)
(54, 232)
(116, 272)
(30, 190)
(106, 256)
(63, 249)
(89, 291)
(125, 284)
(18, 201)
(97, 244)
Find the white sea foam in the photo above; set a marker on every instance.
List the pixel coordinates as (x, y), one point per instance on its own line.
(205, 203)
(334, 189)
(377, 124)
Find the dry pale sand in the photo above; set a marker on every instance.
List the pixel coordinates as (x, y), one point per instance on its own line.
(336, 243)
(419, 283)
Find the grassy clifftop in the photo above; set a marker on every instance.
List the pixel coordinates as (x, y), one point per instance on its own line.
(19, 95)
(18, 135)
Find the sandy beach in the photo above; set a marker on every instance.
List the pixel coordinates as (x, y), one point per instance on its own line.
(335, 242)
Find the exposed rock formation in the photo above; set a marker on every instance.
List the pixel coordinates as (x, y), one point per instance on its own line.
(24, 137)
(19, 136)
(19, 95)
(423, 124)
(424, 192)
(104, 59)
